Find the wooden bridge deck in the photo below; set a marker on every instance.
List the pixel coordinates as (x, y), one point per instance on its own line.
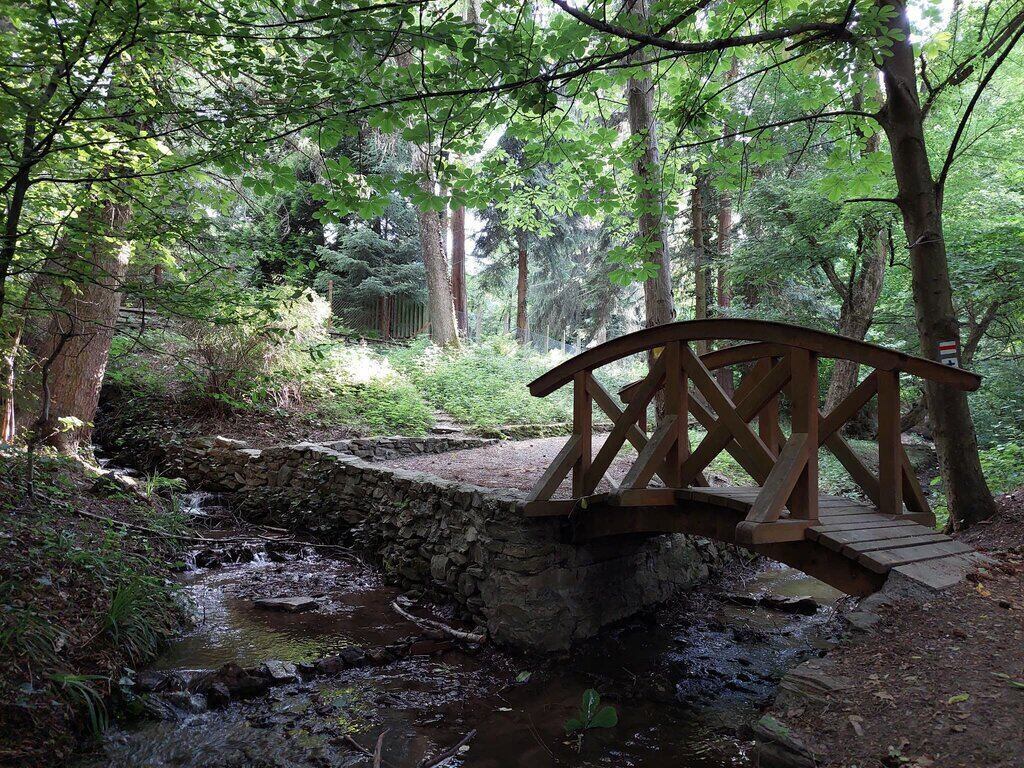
(849, 544)
(852, 546)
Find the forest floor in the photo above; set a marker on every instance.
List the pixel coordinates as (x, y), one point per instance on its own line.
(935, 685)
(85, 600)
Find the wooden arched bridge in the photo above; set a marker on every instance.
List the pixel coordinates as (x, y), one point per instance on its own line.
(851, 544)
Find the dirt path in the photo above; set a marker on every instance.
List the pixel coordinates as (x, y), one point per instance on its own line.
(937, 685)
(508, 464)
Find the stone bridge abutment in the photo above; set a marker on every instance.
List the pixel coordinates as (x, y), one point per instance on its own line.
(518, 577)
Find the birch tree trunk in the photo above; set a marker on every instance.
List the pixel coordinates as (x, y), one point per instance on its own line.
(919, 200)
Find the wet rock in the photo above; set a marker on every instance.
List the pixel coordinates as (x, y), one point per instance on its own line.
(354, 657)
(280, 672)
(862, 621)
(296, 604)
(804, 606)
(778, 748)
(238, 682)
(150, 681)
(218, 696)
(174, 705)
(814, 679)
(331, 665)
(429, 647)
(208, 558)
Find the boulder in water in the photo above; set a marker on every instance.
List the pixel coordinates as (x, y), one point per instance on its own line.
(294, 604)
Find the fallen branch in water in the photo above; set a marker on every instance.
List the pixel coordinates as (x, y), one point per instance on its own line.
(429, 625)
(448, 753)
(379, 751)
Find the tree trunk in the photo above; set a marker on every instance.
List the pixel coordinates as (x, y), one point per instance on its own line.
(956, 442)
(658, 304)
(458, 220)
(700, 260)
(440, 302)
(522, 322)
(725, 219)
(81, 329)
(858, 310)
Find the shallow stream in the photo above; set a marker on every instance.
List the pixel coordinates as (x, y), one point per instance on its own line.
(686, 680)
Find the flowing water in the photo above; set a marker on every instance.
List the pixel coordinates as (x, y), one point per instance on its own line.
(686, 680)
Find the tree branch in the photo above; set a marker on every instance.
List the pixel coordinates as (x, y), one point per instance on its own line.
(966, 118)
(835, 30)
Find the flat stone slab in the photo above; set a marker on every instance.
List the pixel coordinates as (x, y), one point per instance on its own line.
(296, 604)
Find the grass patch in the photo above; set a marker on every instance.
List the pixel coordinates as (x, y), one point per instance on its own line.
(485, 384)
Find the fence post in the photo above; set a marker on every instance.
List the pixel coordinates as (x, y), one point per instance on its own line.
(803, 502)
(582, 413)
(890, 468)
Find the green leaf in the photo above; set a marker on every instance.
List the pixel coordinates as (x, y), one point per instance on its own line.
(960, 697)
(606, 717)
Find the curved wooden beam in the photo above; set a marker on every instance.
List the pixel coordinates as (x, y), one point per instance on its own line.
(737, 329)
(720, 358)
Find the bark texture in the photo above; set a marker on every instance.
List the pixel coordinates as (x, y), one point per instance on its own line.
(440, 301)
(82, 326)
(919, 199)
(701, 284)
(859, 295)
(643, 127)
(522, 284)
(458, 220)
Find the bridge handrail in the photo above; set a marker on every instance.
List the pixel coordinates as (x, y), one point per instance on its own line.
(738, 329)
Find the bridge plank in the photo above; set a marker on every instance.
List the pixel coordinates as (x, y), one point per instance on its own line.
(857, 548)
(878, 522)
(867, 534)
(883, 560)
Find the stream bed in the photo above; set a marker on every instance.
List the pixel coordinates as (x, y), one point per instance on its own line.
(686, 680)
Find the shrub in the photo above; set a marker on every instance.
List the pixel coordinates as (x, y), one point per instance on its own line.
(1004, 467)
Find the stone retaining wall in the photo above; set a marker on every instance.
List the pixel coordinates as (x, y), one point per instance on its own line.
(514, 575)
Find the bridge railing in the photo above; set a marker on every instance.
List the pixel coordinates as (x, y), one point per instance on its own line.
(777, 359)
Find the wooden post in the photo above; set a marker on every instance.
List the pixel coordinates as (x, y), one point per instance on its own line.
(890, 469)
(803, 501)
(675, 384)
(768, 417)
(582, 411)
